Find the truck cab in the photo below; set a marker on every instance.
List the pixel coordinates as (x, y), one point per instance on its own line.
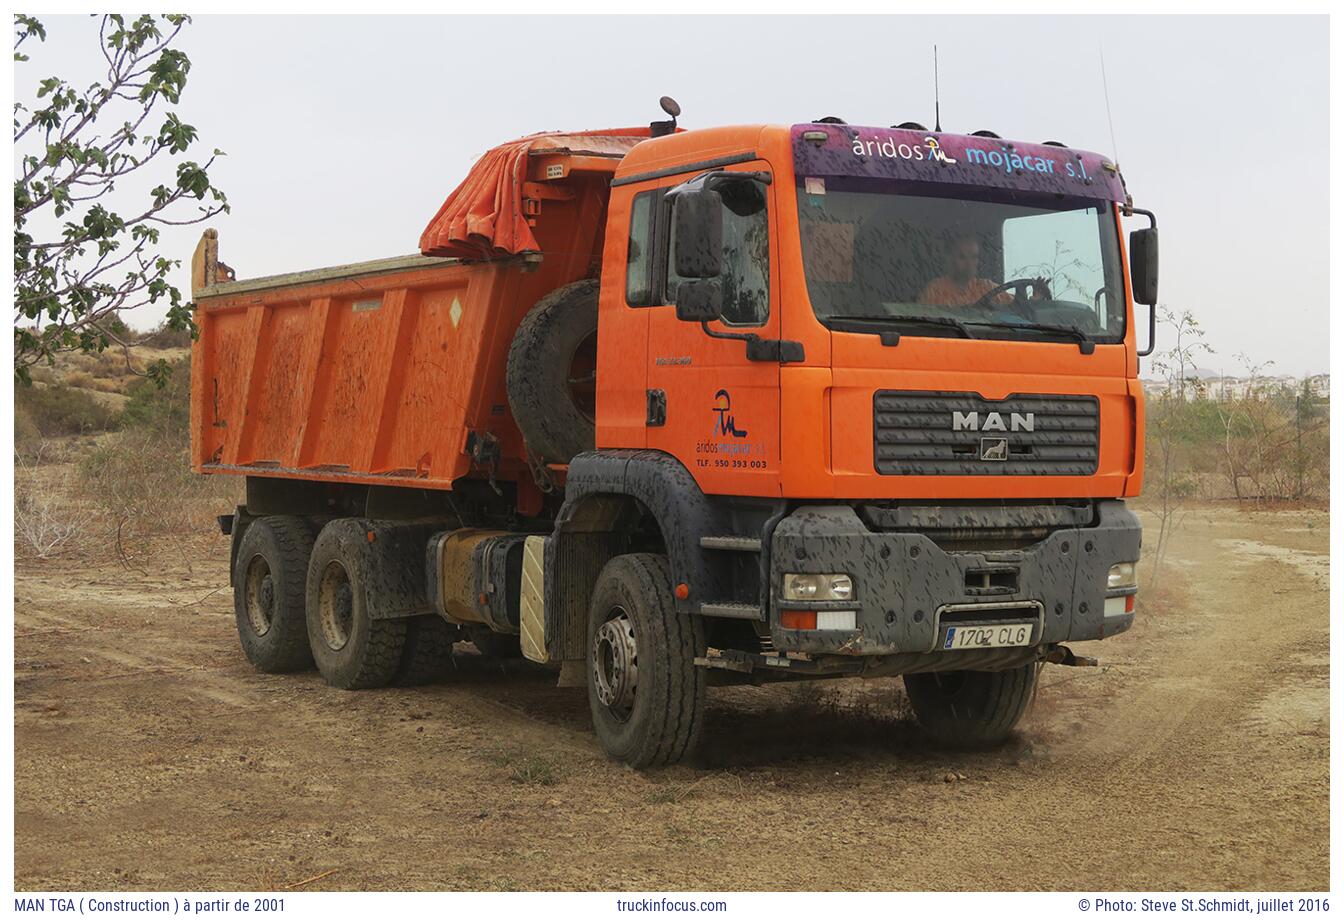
(899, 372)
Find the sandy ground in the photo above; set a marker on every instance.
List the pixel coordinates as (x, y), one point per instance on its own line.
(148, 755)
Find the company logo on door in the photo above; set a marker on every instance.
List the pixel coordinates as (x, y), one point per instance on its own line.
(724, 423)
(727, 446)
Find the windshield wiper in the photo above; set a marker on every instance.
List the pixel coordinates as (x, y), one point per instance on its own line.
(891, 336)
(1085, 343)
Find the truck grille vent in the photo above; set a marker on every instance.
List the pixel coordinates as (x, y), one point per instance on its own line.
(962, 434)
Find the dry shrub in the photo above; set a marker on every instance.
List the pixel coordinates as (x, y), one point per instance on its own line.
(164, 337)
(63, 410)
(108, 385)
(142, 483)
(46, 523)
(27, 438)
(110, 365)
(164, 409)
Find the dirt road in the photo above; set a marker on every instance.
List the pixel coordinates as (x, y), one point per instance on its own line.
(149, 756)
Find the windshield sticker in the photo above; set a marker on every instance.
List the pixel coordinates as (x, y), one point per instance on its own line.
(880, 153)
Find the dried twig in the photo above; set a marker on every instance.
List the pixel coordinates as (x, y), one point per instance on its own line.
(320, 875)
(200, 599)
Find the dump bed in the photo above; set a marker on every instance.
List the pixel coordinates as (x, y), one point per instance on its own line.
(381, 372)
(369, 373)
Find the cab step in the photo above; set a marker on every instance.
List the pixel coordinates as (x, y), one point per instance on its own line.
(732, 544)
(732, 611)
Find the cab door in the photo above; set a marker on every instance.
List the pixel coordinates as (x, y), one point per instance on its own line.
(710, 405)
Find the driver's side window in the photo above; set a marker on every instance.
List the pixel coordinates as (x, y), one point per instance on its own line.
(746, 258)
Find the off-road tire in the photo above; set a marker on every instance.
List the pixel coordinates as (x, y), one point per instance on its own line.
(428, 653)
(495, 645)
(541, 393)
(666, 715)
(372, 651)
(273, 553)
(971, 709)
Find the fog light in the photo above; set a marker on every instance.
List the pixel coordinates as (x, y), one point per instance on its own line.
(1122, 575)
(800, 587)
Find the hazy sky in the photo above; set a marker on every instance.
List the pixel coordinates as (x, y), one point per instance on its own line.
(345, 133)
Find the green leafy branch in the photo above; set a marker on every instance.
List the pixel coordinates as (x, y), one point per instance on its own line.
(73, 147)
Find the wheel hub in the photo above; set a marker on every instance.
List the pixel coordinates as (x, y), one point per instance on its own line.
(616, 663)
(336, 607)
(260, 596)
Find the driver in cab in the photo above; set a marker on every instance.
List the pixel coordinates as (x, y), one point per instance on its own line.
(961, 287)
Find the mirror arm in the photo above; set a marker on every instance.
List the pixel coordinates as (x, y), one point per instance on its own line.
(706, 179)
(781, 351)
(1152, 332)
(1152, 218)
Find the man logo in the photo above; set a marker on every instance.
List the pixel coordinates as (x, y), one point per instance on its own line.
(994, 449)
(993, 421)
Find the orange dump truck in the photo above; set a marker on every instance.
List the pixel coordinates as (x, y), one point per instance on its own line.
(664, 409)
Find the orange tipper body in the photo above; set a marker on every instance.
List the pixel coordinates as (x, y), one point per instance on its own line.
(807, 400)
(377, 373)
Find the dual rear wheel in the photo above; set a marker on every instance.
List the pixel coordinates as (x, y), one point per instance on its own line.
(303, 596)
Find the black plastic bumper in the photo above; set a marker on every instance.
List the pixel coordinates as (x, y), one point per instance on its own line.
(906, 586)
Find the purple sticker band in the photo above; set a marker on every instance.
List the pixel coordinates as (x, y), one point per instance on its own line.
(978, 162)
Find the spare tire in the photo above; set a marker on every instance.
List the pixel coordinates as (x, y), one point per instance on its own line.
(552, 373)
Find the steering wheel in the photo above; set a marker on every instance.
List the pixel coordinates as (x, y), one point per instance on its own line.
(1019, 287)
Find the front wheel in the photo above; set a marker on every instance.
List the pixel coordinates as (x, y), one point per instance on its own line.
(645, 692)
(971, 709)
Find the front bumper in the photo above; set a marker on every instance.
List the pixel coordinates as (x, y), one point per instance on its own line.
(906, 585)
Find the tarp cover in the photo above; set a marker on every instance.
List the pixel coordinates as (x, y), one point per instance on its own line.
(483, 217)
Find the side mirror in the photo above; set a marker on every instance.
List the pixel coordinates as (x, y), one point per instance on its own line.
(1143, 265)
(697, 235)
(699, 301)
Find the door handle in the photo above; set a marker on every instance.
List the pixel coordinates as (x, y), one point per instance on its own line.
(656, 412)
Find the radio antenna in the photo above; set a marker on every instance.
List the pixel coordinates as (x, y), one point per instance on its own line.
(937, 115)
(1106, 92)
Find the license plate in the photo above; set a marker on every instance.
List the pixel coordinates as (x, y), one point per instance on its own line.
(1003, 635)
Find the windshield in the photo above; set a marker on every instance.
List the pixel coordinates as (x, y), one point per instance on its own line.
(928, 264)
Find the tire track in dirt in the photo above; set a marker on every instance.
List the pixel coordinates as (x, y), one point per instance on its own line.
(1196, 757)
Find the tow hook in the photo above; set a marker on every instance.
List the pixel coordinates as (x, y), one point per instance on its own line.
(1062, 654)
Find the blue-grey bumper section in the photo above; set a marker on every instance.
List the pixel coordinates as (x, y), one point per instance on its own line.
(907, 589)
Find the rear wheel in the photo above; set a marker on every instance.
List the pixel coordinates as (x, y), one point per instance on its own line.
(971, 709)
(645, 692)
(353, 649)
(268, 593)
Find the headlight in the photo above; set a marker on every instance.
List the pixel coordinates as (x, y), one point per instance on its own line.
(799, 587)
(1122, 575)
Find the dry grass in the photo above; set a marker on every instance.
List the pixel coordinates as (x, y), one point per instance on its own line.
(46, 523)
(526, 769)
(120, 496)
